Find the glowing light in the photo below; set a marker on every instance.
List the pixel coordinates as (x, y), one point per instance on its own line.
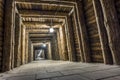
(44, 45)
(51, 30)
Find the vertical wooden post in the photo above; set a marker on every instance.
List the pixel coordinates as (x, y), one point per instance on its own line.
(55, 45)
(83, 32)
(102, 32)
(76, 25)
(32, 52)
(26, 46)
(8, 45)
(71, 49)
(113, 28)
(29, 51)
(65, 53)
(59, 43)
(1, 32)
(23, 43)
(17, 40)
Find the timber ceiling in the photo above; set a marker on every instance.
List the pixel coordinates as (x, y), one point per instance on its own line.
(37, 15)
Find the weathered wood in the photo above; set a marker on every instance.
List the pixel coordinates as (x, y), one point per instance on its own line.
(26, 46)
(40, 23)
(61, 3)
(92, 29)
(71, 49)
(1, 32)
(83, 32)
(59, 44)
(112, 26)
(66, 57)
(23, 43)
(55, 48)
(8, 45)
(29, 50)
(35, 13)
(102, 32)
(117, 5)
(76, 35)
(17, 51)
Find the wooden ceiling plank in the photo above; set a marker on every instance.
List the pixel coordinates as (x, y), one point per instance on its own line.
(68, 3)
(34, 12)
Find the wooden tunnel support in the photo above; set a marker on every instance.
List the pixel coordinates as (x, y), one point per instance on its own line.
(83, 33)
(8, 39)
(112, 26)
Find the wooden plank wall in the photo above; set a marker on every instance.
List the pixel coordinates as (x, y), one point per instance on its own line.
(1, 30)
(76, 43)
(94, 40)
(117, 4)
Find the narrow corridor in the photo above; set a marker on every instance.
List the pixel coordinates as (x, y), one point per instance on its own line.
(62, 70)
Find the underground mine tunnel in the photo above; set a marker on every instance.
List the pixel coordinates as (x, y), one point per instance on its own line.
(59, 39)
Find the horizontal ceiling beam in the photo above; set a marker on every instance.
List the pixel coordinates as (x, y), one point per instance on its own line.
(38, 13)
(40, 23)
(43, 16)
(68, 3)
(39, 27)
(39, 39)
(38, 30)
(41, 35)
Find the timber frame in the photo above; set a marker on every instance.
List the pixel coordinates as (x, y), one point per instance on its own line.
(85, 31)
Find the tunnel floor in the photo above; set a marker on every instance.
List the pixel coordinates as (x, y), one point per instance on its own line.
(62, 70)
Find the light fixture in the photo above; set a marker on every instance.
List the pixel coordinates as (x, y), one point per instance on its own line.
(51, 28)
(44, 45)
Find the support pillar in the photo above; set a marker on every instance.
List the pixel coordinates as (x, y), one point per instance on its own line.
(8, 44)
(113, 28)
(23, 43)
(71, 44)
(26, 46)
(65, 53)
(102, 32)
(83, 32)
(17, 51)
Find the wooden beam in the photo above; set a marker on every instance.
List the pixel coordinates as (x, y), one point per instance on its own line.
(34, 34)
(40, 23)
(102, 32)
(47, 40)
(48, 2)
(113, 28)
(71, 51)
(83, 31)
(37, 39)
(45, 16)
(38, 13)
(40, 35)
(17, 47)
(8, 36)
(77, 35)
(40, 26)
(37, 30)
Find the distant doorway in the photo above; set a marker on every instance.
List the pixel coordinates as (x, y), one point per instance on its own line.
(39, 54)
